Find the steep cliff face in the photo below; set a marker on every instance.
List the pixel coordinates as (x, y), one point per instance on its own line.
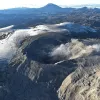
(43, 61)
(83, 83)
(29, 80)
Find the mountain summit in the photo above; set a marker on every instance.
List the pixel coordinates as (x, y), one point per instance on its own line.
(51, 7)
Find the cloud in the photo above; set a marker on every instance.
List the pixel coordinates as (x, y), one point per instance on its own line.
(73, 50)
(9, 45)
(96, 47)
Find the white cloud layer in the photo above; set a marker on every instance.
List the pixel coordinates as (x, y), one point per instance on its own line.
(73, 50)
(9, 45)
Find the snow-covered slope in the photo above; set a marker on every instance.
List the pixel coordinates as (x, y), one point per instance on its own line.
(6, 28)
(9, 45)
(72, 27)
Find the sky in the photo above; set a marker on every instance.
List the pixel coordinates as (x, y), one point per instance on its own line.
(5, 4)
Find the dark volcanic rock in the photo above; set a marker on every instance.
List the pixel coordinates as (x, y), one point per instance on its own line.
(39, 49)
(30, 80)
(32, 74)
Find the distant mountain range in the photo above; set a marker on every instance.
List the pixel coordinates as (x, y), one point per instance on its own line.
(49, 14)
(86, 5)
(50, 8)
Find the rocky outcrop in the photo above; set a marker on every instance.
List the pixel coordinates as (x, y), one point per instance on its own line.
(34, 74)
(82, 84)
(26, 79)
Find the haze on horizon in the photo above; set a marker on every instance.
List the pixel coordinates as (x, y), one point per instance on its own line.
(5, 4)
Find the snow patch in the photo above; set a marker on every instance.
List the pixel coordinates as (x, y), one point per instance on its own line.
(9, 45)
(77, 28)
(6, 28)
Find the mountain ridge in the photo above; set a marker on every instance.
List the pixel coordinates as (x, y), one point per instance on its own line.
(49, 6)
